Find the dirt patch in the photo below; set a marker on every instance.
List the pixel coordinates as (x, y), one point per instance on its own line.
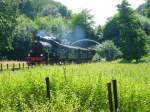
(11, 62)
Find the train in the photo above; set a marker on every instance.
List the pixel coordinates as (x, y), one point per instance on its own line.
(46, 50)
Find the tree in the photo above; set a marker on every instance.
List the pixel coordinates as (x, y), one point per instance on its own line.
(82, 27)
(146, 27)
(34, 8)
(145, 24)
(127, 32)
(64, 11)
(57, 27)
(23, 36)
(108, 50)
(8, 12)
(99, 33)
(111, 30)
(132, 37)
(147, 9)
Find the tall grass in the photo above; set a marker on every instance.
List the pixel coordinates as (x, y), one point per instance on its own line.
(76, 88)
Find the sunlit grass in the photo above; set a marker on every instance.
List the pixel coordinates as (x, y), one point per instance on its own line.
(76, 88)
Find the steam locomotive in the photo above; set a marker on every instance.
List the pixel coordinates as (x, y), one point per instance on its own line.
(47, 50)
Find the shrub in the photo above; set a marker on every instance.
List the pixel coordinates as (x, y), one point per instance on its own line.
(108, 50)
(96, 57)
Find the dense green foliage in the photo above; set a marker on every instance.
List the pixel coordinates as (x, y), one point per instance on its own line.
(111, 30)
(145, 24)
(76, 88)
(126, 32)
(144, 11)
(57, 27)
(147, 9)
(7, 24)
(108, 50)
(34, 8)
(23, 35)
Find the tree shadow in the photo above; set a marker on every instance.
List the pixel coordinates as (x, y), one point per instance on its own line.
(131, 62)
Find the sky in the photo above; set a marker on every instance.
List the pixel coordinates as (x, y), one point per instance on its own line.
(101, 9)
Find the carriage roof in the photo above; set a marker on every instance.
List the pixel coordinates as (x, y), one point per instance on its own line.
(57, 44)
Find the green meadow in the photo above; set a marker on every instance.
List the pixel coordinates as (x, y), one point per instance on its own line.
(76, 88)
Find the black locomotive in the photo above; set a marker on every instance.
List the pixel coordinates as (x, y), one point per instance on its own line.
(46, 50)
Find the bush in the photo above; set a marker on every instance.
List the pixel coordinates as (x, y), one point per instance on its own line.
(96, 57)
(108, 50)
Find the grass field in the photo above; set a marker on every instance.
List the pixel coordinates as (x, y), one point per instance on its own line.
(76, 88)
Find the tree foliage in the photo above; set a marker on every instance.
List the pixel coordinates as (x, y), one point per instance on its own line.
(147, 9)
(127, 32)
(108, 50)
(82, 27)
(133, 38)
(111, 30)
(145, 24)
(8, 13)
(34, 8)
(99, 33)
(57, 27)
(23, 37)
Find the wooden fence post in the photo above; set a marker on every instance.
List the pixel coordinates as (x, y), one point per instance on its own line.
(23, 65)
(7, 66)
(115, 95)
(110, 97)
(13, 67)
(19, 65)
(47, 87)
(28, 66)
(1, 67)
